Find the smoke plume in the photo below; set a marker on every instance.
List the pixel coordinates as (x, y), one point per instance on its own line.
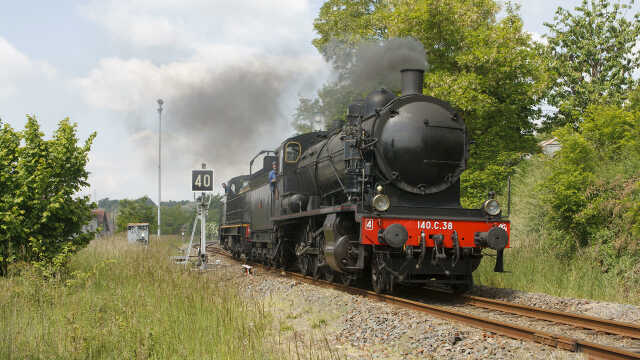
(373, 64)
(230, 117)
(223, 118)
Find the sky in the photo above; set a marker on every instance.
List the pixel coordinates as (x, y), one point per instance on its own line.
(229, 72)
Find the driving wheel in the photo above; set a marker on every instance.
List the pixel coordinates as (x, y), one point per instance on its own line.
(304, 264)
(316, 270)
(378, 277)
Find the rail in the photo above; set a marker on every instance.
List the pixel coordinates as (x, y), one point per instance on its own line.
(583, 321)
(588, 348)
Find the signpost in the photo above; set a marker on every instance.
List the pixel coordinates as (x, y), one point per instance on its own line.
(202, 182)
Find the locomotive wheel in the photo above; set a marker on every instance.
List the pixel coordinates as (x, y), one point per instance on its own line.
(378, 277)
(347, 279)
(330, 275)
(316, 271)
(304, 263)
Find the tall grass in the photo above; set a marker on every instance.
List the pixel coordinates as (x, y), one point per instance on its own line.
(125, 302)
(535, 270)
(534, 265)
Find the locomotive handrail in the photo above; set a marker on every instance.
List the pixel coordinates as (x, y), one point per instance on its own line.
(258, 154)
(237, 210)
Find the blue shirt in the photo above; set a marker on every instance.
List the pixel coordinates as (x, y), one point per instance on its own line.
(272, 177)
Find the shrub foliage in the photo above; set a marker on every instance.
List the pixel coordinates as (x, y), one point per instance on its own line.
(40, 215)
(593, 185)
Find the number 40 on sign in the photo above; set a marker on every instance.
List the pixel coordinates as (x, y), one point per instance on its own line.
(202, 180)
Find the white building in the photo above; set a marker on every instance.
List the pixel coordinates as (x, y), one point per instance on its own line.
(551, 146)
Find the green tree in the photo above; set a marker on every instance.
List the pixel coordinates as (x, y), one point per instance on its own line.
(108, 204)
(175, 217)
(309, 115)
(42, 215)
(634, 100)
(613, 130)
(571, 174)
(488, 68)
(592, 58)
(593, 185)
(141, 210)
(215, 209)
(10, 212)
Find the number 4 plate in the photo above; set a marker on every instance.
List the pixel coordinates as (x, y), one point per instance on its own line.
(201, 180)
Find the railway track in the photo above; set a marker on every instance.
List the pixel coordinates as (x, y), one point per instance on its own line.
(591, 349)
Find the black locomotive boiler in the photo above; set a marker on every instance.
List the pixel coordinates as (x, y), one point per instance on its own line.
(375, 200)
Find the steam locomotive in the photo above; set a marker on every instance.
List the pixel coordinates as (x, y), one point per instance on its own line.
(377, 199)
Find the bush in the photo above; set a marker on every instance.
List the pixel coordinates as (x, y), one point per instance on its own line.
(544, 256)
(40, 215)
(570, 173)
(593, 187)
(141, 210)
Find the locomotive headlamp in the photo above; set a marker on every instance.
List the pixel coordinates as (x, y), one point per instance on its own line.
(491, 207)
(381, 202)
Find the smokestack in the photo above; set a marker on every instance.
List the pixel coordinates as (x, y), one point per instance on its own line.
(412, 81)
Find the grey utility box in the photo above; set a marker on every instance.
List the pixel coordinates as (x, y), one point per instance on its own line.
(138, 233)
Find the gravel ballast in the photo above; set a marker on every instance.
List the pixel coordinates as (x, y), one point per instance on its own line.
(316, 322)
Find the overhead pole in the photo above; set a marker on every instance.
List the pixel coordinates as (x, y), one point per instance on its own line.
(160, 102)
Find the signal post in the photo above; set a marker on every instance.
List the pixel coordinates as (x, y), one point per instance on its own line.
(202, 182)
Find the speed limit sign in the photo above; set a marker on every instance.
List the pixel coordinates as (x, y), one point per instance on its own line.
(201, 180)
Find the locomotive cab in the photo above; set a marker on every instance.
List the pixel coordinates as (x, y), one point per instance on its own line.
(294, 193)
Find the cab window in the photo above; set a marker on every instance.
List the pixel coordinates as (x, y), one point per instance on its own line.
(292, 152)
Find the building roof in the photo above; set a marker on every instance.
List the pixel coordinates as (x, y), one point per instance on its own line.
(98, 212)
(552, 141)
(102, 216)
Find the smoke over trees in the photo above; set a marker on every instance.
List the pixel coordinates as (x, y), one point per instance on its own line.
(488, 68)
(358, 69)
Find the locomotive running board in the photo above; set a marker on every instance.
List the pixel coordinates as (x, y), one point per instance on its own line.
(315, 212)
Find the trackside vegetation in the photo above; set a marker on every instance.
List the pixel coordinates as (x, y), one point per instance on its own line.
(576, 224)
(546, 258)
(41, 216)
(176, 215)
(128, 302)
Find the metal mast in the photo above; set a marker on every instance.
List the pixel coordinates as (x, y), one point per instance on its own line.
(160, 102)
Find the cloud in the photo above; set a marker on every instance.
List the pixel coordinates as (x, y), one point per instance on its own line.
(538, 38)
(222, 106)
(230, 74)
(126, 85)
(18, 68)
(186, 23)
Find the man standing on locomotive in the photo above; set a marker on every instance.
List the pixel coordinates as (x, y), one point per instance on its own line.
(272, 179)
